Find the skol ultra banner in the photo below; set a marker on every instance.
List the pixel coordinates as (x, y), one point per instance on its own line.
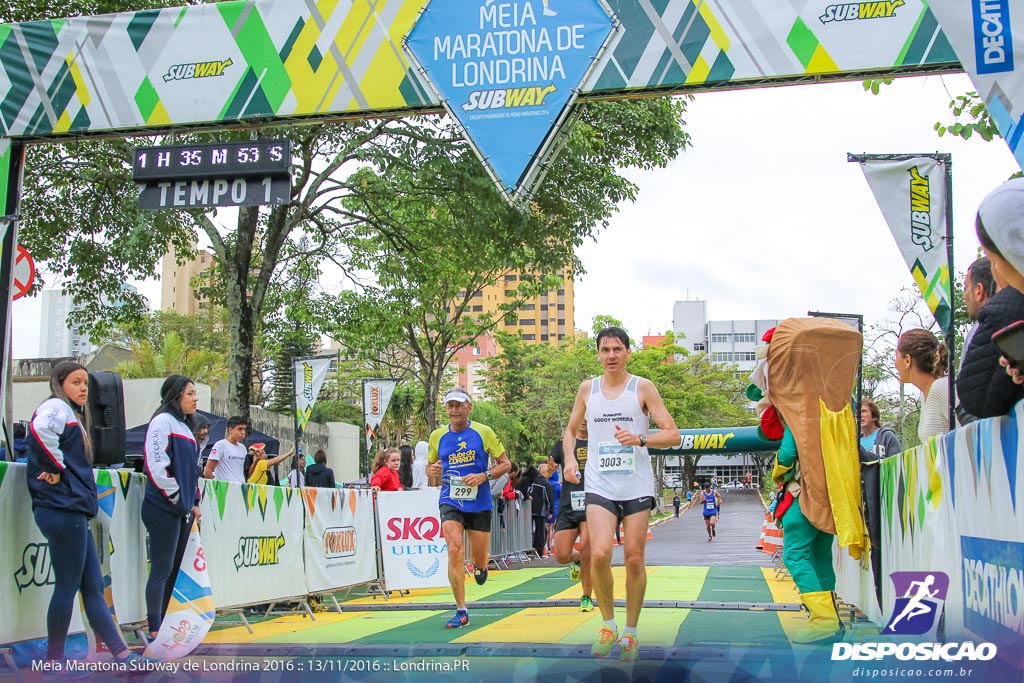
(190, 612)
(309, 377)
(341, 544)
(912, 196)
(252, 542)
(413, 549)
(376, 397)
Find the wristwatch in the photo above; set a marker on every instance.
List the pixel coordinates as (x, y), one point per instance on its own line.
(643, 440)
(487, 473)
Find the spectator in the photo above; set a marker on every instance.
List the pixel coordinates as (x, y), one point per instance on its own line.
(876, 442)
(405, 466)
(385, 469)
(201, 430)
(540, 493)
(979, 287)
(296, 477)
(676, 503)
(63, 492)
(20, 450)
(419, 465)
(319, 474)
(258, 464)
(171, 500)
(227, 461)
(922, 360)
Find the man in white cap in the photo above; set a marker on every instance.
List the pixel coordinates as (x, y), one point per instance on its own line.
(458, 453)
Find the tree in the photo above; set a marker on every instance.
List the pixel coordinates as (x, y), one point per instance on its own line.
(536, 385)
(459, 235)
(173, 357)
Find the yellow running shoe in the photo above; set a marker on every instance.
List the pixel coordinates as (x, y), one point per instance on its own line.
(606, 639)
(574, 571)
(630, 648)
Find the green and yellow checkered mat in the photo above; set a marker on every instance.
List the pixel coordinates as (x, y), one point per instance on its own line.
(567, 625)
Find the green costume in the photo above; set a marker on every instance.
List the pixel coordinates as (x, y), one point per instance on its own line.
(810, 373)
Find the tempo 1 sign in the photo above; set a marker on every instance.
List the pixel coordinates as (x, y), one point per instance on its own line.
(194, 193)
(242, 173)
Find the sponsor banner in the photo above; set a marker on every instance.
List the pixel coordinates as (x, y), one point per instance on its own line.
(309, 377)
(253, 542)
(129, 566)
(340, 538)
(912, 196)
(509, 71)
(413, 549)
(196, 64)
(376, 397)
(988, 37)
(953, 507)
(26, 572)
(190, 612)
(855, 582)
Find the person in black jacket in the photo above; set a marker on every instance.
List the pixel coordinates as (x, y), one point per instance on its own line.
(983, 387)
(319, 474)
(541, 494)
(171, 500)
(63, 492)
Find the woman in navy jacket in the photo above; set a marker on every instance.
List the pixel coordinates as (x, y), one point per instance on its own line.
(172, 491)
(63, 491)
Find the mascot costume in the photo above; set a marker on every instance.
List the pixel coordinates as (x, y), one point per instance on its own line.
(807, 377)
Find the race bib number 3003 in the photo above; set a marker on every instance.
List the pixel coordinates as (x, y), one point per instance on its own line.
(614, 458)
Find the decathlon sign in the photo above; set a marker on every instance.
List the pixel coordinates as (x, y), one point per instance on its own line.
(993, 586)
(993, 39)
(509, 71)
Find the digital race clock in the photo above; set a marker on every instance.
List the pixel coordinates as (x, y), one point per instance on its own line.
(213, 160)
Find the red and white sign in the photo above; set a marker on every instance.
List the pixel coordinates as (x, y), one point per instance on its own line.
(412, 546)
(24, 273)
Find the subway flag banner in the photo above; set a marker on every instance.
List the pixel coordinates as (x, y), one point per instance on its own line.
(310, 374)
(912, 196)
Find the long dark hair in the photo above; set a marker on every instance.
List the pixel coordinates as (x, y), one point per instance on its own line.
(170, 399)
(405, 469)
(57, 376)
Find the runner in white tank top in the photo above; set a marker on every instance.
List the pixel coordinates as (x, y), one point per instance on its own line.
(614, 471)
(619, 485)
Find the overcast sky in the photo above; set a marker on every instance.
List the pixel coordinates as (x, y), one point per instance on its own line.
(762, 217)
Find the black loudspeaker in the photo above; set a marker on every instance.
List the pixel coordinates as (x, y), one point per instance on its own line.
(106, 411)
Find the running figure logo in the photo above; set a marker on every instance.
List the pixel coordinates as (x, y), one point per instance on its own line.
(920, 597)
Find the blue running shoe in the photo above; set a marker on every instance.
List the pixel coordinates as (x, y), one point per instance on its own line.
(460, 619)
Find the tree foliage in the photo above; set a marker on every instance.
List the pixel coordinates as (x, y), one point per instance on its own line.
(173, 357)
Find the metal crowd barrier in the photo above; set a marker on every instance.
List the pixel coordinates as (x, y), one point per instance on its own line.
(511, 534)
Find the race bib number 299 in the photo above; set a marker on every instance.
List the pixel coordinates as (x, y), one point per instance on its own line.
(459, 491)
